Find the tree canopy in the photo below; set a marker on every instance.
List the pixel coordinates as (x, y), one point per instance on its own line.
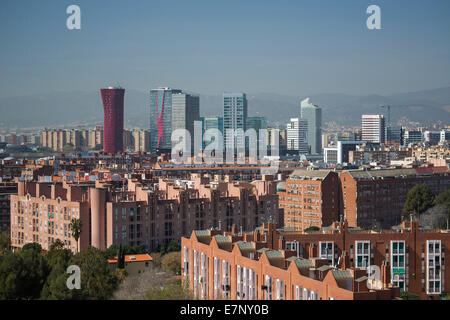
(418, 200)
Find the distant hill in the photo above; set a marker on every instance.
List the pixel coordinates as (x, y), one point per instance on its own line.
(67, 108)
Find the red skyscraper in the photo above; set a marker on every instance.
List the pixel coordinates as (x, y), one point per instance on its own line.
(113, 119)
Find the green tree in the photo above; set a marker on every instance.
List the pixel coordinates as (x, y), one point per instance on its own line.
(97, 282)
(443, 198)
(172, 262)
(11, 265)
(55, 287)
(22, 274)
(418, 200)
(5, 243)
(408, 296)
(120, 258)
(171, 291)
(162, 250)
(173, 246)
(57, 245)
(312, 228)
(75, 227)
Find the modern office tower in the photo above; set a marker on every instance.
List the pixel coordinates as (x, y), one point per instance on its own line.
(313, 114)
(373, 128)
(185, 110)
(211, 123)
(444, 135)
(141, 140)
(161, 119)
(113, 119)
(297, 135)
(432, 137)
(394, 135)
(234, 117)
(257, 123)
(413, 136)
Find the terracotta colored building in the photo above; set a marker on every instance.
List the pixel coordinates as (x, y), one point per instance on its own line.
(377, 197)
(130, 212)
(309, 198)
(250, 266)
(134, 263)
(406, 258)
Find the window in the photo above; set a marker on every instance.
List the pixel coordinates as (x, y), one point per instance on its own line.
(362, 254)
(280, 289)
(433, 266)
(327, 251)
(269, 287)
(293, 245)
(398, 267)
(298, 293)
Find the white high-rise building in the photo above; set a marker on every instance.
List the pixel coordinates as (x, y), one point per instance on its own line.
(373, 128)
(297, 134)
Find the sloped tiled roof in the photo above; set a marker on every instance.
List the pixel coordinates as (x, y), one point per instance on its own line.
(342, 274)
(304, 263)
(202, 233)
(222, 239)
(245, 245)
(272, 254)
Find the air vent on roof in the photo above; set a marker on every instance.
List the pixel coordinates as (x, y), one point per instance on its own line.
(132, 258)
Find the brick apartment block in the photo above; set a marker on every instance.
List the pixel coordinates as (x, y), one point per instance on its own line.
(365, 198)
(271, 263)
(130, 212)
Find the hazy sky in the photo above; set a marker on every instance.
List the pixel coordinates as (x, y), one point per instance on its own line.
(290, 47)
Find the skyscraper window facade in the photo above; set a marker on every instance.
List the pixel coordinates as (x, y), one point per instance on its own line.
(161, 119)
(234, 116)
(113, 104)
(313, 114)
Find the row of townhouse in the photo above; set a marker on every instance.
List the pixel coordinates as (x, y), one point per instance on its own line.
(406, 258)
(218, 265)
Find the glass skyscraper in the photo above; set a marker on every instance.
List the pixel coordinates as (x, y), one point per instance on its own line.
(313, 114)
(212, 123)
(234, 115)
(185, 110)
(161, 119)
